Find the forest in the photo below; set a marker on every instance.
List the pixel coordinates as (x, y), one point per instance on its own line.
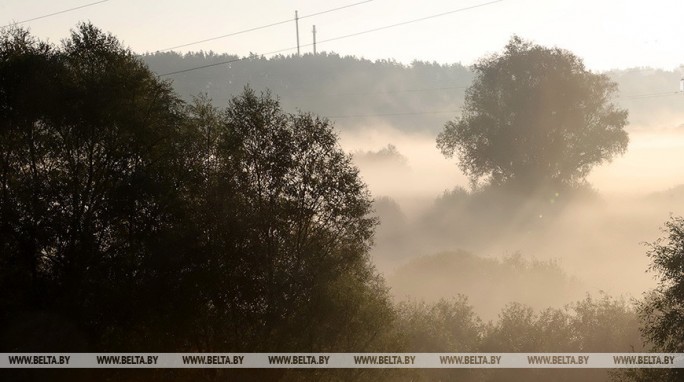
(357, 92)
(151, 209)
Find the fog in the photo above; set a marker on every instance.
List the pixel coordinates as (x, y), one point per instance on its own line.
(592, 244)
(423, 174)
(434, 234)
(653, 163)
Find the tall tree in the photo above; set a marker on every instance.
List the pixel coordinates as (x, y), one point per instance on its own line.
(535, 116)
(294, 250)
(87, 180)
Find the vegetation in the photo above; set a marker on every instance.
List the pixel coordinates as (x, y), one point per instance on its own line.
(590, 325)
(90, 168)
(489, 283)
(661, 310)
(360, 93)
(131, 220)
(535, 117)
(344, 88)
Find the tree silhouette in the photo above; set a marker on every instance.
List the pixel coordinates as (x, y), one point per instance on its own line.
(131, 221)
(661, 311)
(535, 116)
(87, 175)
(285, 221)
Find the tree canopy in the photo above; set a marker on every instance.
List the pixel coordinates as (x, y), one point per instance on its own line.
(130, 220)
(88, 166)
(286, 219)
(661, 311)
(663, 308)
(535, 116)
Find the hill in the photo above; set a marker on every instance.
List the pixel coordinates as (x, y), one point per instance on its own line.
(356, 92)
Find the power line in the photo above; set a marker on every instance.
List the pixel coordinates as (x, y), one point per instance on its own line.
(399, 114)
(639, 96)
(316, 94)
(335, 9)
(337, 38)
(312, 94)
(411, 21)
(393, 114)
(427, 112)
(651, 95)
(451, 111)
(265, 26)
(227, 35)
(56, 13)
(205, 66)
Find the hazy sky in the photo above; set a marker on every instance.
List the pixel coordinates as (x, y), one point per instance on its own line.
(607, 34)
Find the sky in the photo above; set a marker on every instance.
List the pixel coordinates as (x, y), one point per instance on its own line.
(608, 34)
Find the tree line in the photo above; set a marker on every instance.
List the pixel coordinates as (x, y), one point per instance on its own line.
(368, 93)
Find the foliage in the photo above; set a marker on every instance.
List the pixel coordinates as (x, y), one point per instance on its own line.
(662, 310)
(333, 85)
(588, 326)
(132, 221)
(535, 117)
(448, 325)
(87, 175)
(591, 325)
(327, 84)
(489, 283)
(285, 218)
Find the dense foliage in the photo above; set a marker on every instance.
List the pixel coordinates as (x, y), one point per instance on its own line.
(353, 91)
(662, 310)
(535, 116)
(130, 221)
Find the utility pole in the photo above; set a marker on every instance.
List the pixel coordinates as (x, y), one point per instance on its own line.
(314, 38)
(297, 26)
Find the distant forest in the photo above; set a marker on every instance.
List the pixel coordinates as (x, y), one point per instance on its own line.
(355, 92)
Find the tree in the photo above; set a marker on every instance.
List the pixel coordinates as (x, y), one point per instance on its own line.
(286, 219)
(535, 116)
(88, 167)
(138, 222)
(282, 227)
(448, 325)
(662, 310)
